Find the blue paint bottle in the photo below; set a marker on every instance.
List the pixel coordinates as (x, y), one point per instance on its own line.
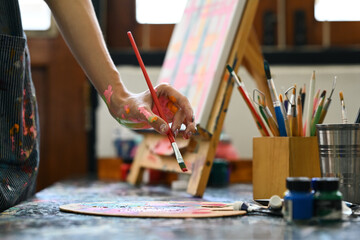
(298, 200)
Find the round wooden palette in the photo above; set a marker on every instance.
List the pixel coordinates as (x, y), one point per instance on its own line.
(154, 209)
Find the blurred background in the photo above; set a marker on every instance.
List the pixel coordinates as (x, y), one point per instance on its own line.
(79, 137)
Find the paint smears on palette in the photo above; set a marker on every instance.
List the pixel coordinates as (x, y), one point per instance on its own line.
(154, 209)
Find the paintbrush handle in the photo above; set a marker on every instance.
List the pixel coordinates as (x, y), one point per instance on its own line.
(315, 121)
(280, 120)
(262, 112)
(299, 116)
(273, 127)
(272, 123)
(259, 123)
(294, 126)
(324, 111)
(150, 86)
(310, 102)
(285, 117)
(169, 133)
(316, 118)
(303, 96)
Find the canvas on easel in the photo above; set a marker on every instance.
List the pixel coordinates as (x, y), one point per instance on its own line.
(198, 50)
(210, 35)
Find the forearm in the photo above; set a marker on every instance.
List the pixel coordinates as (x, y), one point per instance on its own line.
(78, 24)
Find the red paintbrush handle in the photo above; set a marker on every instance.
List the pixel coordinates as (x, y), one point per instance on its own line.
(150, 86)
(259, 122)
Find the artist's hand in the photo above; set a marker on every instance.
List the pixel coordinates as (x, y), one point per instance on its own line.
(138, 111)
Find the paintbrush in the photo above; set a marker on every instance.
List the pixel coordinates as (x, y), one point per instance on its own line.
(327, 103)
(303, 95)
(170, 135)
(241, 86)
(262, 111)
(274, 207)
(316, 102)
(299, 116)
(343, 109)
(274, 210)
(265, 112)
(292, 114)
(317, 113)
(283, 110)
(276, 103)
(272, 123)
(309, 108)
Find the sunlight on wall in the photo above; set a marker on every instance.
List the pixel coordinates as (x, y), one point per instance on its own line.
(335, 10)
(35, 15)
(159, 11)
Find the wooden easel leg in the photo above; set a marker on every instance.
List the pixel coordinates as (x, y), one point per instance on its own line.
(207, 147)
(136, 171)
(254, 63)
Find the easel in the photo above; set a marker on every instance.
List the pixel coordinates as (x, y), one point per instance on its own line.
(201, 149)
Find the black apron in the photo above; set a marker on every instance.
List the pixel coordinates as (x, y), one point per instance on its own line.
(19, 126)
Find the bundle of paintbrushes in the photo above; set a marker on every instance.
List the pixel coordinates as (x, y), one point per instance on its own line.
(291, 116)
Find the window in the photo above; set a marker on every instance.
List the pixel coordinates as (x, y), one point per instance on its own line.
(35, 15)
(159, 11)
(336, 10)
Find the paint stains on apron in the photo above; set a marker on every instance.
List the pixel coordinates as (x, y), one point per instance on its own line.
(19, 127)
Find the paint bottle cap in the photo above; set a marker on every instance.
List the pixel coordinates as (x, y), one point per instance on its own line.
(300, 184)
(327, 184)
(314, 182)
(275, 202)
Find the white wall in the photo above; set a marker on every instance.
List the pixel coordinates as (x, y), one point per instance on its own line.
(239, 124)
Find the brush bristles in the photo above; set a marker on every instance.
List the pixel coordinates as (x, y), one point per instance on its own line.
(178, 157)
(267, 69)
(341, 96)
(323, 94)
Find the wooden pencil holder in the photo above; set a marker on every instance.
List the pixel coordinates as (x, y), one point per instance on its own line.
(276, 158)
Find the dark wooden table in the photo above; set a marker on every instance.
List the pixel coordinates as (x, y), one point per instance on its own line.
(40, 217)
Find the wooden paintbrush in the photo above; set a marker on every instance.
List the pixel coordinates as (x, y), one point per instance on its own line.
(170, 135)
(343, 110)
(279, 114)
(317, 114)
(245, 95)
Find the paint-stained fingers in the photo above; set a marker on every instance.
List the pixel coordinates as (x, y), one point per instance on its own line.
(183, 115)
(153, 120)
(178, 119)
(160, 126)
(183, 103)
(179, 101)
(190, 130)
